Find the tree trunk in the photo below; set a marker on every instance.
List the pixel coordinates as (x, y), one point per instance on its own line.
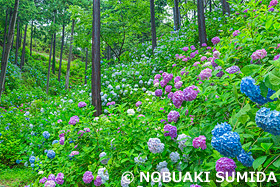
(201, 22)
(20, 37)
(61, 52)
(31, 38)
(109, 53)
(50, 59)
(17, 43)
(7, 51)
(86, 66)
(210, 5)
(23, 48)
(49, 67)
(95, 75)
(153, 24)
(5, 36)
(53, 63)
(70, 56)
(225, 6)
(176, 8)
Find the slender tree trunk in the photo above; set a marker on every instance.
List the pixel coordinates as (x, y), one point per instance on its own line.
(95, 75)
(70, 56)
(49, 67)
(31, 38)
(61, 52)
(23, 48)
(54, 44)
(86, 66)
(201, 22)
(17, 42)
(176, 8)
(108, 53)
(153, 24)
(5, 36)
(20, 37)
(225, 6)
(210, 5)
(50, 60)
(7, 51)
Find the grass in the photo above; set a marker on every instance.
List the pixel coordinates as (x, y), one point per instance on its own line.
(16, 177)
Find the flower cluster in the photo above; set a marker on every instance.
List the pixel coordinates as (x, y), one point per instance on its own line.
(155, 145)
(111, 103)
(104, 161)
(46, 134)
(205, 74)
(177, 98)
(182, 139)
(245, 158)
(215, 40)
(253, 91)
(82, 104)
(268, 120)
(138, 103)
(170, 131)
(259, 54)
(174, 156)
(158, 92)
(236, 33)
(233, 69)
(88, 177)
(225, 165)
(200, 142)
(273, 3)
(190, 93)
(73, 120)
(173, 116)
(51, 154)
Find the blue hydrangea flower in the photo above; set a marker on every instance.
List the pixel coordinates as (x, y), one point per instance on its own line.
(253, 91)
(268, 120)
(51, 154)
(55, 141)
(228, 144)
(246, 158)
(32, 159)
(221, 129)
(18, 161)
(46, 134)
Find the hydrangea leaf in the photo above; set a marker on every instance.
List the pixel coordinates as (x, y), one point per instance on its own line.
(259, 161)
(251, 69)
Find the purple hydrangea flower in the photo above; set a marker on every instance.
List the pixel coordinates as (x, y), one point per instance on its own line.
(185, 49)
(177, 79)
(170, 95)
(190, 93)
(158, 92)
(172, 131)
(178, 84)
(193, 47)
(192, 55)
(168, 88)
(173, 116)
(233, 69)
(62, 140)
(225, 165)
(73, 120)
(271, 9)
(43, 180)
(87, 129)
(157, 76)
(196, 63)
(236, 33)
(50, 183)
(276, 57)
(259, 54)
(200, 142)
(59, 178)
(98, 181)
(88, 177)
(82, 104)
(155, 81)
(195, 185)
(138, 103)
(203, 58)
(178, 98)
(273, 3)
(205, 74)
(163, 83)
(215, 40)
(51, 177)
(73, 153)
(204, 45)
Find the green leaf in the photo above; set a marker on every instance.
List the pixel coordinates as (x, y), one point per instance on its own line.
(259, 161)
(275, 63)
(274, 80)
(277, 163)
(264, 89)
(266, 146)
(251, 69)
(268, 23)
